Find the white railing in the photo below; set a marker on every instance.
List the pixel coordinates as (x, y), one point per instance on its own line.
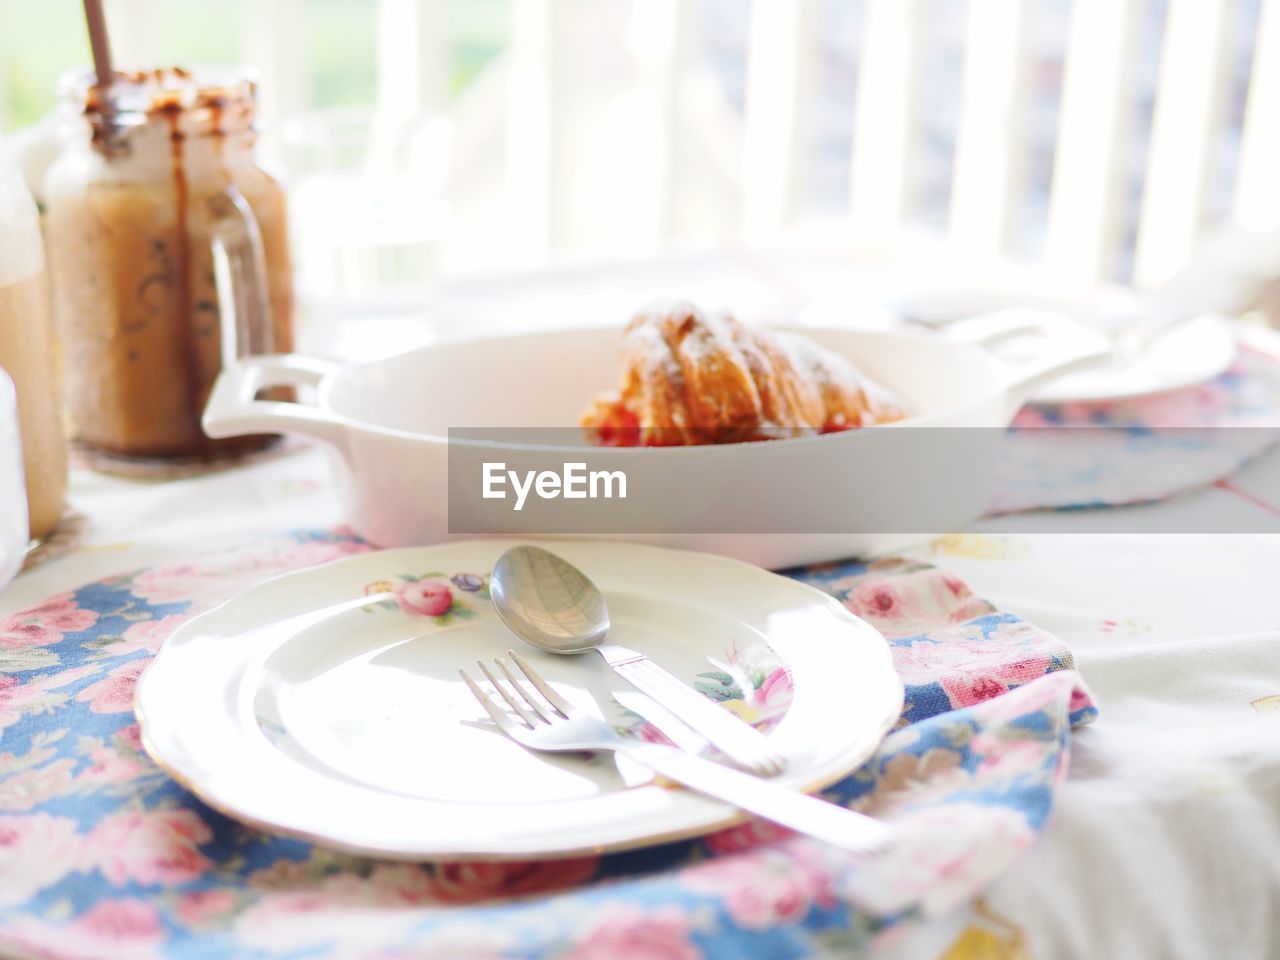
(1257, 202)
(1188, 113)
(611, 138)
(1094, 133)
(991, 143)
(886, 120)
(1091, 204)
(780, 101)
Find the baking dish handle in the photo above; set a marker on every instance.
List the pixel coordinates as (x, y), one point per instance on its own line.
(1045, 345)
(234, 409)
(986, 329)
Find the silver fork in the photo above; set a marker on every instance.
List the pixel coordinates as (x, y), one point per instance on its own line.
(550, 723)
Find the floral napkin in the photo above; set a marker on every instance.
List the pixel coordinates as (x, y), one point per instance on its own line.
(103, 855)
(1142, 449)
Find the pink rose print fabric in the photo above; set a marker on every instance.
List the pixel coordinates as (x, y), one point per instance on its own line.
(1139, 450)
(102, 855)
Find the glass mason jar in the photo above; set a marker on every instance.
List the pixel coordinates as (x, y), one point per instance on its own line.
(26, 351)
(168, 253)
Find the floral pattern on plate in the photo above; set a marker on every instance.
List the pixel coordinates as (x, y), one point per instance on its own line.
(752, 684)
(435, 595)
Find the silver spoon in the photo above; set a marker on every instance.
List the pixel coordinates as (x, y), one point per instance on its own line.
(550, 603)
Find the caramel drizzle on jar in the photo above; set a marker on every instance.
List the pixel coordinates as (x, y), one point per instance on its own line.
(172, 110)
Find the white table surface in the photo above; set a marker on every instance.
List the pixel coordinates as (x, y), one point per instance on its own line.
(1165, 840)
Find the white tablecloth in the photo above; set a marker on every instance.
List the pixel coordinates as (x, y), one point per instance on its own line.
(1166, 838)
(1165, 842)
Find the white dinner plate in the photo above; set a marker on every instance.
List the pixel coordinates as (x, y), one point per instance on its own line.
(327, 703)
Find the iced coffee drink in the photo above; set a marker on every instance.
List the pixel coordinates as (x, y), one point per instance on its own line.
(169, 256)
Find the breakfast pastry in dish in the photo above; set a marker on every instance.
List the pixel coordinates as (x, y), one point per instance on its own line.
(690, 377)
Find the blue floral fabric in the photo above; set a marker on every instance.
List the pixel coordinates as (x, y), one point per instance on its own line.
(103, 855)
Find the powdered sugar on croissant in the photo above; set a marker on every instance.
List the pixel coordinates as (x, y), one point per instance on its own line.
(690, 378)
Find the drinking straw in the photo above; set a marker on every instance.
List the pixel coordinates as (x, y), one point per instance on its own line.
(100, 44)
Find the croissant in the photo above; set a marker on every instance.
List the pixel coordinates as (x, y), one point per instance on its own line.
(690, 377)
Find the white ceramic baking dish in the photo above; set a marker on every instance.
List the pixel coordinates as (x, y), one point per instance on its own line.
(386, 423)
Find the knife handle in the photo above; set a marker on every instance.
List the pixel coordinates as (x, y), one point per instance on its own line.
(732, 736)
(847, 829)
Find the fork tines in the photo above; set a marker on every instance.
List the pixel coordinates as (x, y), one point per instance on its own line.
(532, 710)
